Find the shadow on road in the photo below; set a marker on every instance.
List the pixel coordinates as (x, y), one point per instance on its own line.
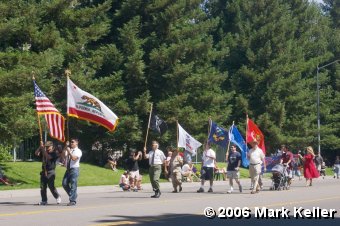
(190, 219)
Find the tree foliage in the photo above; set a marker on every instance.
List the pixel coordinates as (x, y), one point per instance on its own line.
(192, 59)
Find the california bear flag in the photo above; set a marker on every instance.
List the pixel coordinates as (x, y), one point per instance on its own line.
(85, 106)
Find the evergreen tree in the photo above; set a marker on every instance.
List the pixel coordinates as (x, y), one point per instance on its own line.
(274, 49)
(171, 63)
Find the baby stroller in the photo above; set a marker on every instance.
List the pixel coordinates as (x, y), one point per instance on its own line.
(279, 177)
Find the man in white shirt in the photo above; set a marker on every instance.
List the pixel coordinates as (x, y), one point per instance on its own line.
(208, 165)
(156, 159)
(256, 159)
(70, 180)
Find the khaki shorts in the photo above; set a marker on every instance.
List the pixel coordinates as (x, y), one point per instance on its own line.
(233, 174)
(135, 174)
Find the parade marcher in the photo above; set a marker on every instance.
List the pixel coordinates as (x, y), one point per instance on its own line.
(47, 175)
(287, 159)
(297, 167)
(167, 161)
(233, 169)
(256, 159)
(156, 159)
(309, 169)
(208, 166)
(318, 160)
(174, 172)
(70, 180)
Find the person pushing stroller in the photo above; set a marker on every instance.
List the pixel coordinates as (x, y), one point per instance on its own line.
(287, 161)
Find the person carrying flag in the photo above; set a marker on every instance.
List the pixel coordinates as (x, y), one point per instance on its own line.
(156, 160)
(47, 174)
(70, 180)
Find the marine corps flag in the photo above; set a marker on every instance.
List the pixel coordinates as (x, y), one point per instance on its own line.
(157, 124)
(85, 106)
(254, 133)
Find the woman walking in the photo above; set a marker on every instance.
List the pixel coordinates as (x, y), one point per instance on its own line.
(309, 169)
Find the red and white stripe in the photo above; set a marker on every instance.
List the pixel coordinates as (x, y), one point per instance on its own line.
(44, 105)
(56, 125)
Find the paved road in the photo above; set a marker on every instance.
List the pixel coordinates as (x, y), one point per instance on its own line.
(107, 205)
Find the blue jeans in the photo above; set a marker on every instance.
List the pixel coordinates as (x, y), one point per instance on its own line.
(70, 183)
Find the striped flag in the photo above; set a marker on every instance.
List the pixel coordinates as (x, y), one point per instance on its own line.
(54, 120)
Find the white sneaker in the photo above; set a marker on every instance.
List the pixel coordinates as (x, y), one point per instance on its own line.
(230, 190)
(58, 200)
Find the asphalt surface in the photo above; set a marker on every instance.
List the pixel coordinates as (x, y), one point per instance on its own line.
(108, 205)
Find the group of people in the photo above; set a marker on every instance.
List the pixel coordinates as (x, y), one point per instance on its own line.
(313, 167)
(69, 156)
(131, 179)
(174, 167)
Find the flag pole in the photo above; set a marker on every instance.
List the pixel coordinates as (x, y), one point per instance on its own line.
(38, 117)
(40, 134)
(246, 128)
(67, 73)
(177, 134)
(227, 153)
(209, 127)
(147, 131)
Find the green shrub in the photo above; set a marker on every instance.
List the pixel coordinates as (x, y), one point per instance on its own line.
(5, 153)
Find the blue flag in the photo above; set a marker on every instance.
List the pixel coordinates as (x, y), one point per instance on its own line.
(218, 135)
(237, 139)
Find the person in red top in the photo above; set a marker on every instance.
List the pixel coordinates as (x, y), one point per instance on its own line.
(286, 159)
(309, 169)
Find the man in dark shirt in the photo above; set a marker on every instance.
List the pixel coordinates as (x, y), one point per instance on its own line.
(233, 170)
(47, 175)
(287, 159)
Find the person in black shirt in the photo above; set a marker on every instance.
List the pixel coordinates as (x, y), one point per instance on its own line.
(133, 167)
(47, 175)
(233, 170)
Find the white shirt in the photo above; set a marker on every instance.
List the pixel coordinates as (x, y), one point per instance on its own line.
(159, 157)
(209, 162)
(185, 168)
(256, 155)
(76, 152)
(123, 180)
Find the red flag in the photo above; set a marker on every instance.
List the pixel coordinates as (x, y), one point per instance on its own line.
(55, 121)
(254, 133)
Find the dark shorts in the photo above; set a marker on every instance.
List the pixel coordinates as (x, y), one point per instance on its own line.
(207, 173)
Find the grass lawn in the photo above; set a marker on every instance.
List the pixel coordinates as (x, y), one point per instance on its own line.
(27, 174)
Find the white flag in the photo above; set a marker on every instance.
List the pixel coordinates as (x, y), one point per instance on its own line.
(186, 141)
(83, 105)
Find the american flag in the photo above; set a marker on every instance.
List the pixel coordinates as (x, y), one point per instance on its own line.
(55, 121)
